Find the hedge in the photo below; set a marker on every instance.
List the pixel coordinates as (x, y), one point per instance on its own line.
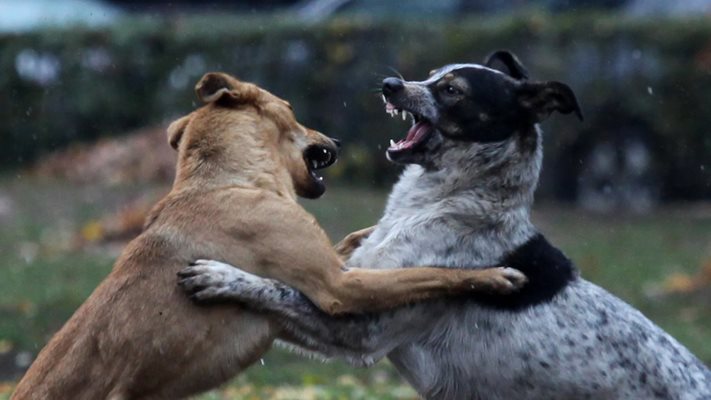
(62, 86)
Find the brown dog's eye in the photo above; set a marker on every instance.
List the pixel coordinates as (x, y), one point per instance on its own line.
(452, 90)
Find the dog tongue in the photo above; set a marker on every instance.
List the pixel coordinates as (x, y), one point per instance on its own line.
(416, 132)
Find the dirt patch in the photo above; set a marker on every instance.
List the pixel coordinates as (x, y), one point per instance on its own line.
(141, 156)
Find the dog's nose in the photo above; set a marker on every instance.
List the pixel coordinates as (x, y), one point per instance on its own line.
(337, 142)
(392, 86)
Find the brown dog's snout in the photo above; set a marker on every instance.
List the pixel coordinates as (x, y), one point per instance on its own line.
(392, 86)
(320, 139)
(332, 144)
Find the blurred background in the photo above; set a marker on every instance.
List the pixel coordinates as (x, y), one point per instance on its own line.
(88, 87)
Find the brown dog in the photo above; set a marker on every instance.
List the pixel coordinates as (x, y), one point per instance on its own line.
(243, 158)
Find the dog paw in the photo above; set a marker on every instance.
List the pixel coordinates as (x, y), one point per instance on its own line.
(352, 241)
(208, 280)
(507, 280)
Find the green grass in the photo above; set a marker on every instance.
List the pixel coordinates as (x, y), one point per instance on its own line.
(44, 277)
(630, 257)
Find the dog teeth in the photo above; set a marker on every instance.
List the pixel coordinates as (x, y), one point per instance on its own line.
(384, 99)
(396, 111)
(320, 178)
(404, 115)
(392, 143)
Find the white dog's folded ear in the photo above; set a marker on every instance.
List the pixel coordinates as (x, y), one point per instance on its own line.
(218, 86)
(176, 129)
(540, 99)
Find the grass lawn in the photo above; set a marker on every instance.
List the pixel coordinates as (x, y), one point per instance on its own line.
(44, 277)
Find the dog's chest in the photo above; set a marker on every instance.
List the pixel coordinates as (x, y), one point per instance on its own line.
(417, 231)
(418, 243)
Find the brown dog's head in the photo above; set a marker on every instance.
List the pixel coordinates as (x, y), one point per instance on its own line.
(244, 134)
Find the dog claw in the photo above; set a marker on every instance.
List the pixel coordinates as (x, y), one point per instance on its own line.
(504, 280)
(208, 280)
(514, 278)
(206, 296)
(197, 299)
(201, 288)
(187, 272)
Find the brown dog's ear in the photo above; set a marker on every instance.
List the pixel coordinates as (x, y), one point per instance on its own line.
(176, 129)
(516, 70)
(218, 86)
(540, 99)
(212, 86)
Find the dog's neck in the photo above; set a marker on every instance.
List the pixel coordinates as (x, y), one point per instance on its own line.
(211, 174)
(481, 183)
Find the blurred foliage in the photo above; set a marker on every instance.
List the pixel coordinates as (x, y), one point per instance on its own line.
(65, 86)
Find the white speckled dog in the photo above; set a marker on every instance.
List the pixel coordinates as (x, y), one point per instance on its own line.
(475, 154)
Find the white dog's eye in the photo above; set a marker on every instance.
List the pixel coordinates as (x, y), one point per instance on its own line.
(452, 90)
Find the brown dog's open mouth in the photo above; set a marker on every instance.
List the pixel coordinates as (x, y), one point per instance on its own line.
(418, 134)
(318, 157)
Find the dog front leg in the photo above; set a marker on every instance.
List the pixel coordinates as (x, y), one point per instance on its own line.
(360, 339)
(368, 289)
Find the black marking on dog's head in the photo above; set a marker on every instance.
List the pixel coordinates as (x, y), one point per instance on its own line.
(483, 105)
(548, 271)
(476, 104)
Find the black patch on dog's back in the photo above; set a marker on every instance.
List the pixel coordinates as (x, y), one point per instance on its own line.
(548, 271)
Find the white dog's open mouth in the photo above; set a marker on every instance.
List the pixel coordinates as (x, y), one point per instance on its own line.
(418, 134)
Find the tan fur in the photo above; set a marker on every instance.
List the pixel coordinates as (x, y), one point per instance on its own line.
(240, 167)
